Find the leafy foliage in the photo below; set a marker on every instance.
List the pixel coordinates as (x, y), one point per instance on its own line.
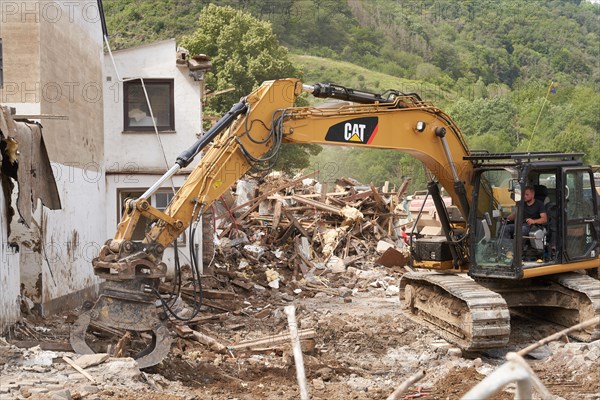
(244, 53)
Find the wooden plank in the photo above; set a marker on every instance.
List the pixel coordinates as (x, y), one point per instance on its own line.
(378, 199)
(403, 188)
(211, 304)
(205, 318)
(276, 215)
(209, 341)
(295, 222)
(216, 294)
(78, 368)
(286, 234)
(351, 260)
(44, 345)
(183, 331)
(122, 344)
(273, 340)
(339, 202)
(324, 192)
(313, 195)
(318, 204)
(306, 262)
(357, 196)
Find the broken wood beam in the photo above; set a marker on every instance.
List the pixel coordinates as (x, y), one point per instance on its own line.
(78, 368)
(351, 260)
(212, 294)
(209, 341)
(403, 188)
(378, 199)
(358, 196)
(243, 284)
(318, 204)
(273, 340)
(276, 215)
(296, 223)
(406, 384)
(208, 303)
(205, 318)
(306, 264)
(183, 331)
(122, 344)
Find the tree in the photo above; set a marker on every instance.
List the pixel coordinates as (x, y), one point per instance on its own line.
(244, 52)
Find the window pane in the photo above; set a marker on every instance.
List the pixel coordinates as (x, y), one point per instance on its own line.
(136, 107)
(163, 199)
(160, 201)
(493, 243)
(580, 234)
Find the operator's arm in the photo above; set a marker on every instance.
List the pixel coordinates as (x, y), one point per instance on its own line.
(511, 216)
(538, 221)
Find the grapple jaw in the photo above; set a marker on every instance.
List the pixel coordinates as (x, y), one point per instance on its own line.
(127, 304)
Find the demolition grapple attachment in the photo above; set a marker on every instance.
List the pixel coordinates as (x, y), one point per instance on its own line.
(126, 310)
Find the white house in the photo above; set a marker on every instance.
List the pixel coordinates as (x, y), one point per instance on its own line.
(51, 71)
(135, 155)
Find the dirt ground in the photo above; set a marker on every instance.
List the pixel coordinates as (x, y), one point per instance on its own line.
(364, 348)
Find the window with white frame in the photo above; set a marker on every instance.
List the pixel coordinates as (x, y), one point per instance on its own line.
(159, 200)
(137, 115)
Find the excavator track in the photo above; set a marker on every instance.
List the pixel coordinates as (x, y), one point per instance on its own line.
(586, 292)
(457, 308)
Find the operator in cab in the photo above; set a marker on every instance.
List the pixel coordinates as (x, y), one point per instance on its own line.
(534, 213)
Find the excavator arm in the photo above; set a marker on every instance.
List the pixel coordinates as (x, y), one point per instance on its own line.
(250, 134)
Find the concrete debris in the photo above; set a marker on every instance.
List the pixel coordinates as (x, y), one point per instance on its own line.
(382, 246)
(272, 278)
(89, 360)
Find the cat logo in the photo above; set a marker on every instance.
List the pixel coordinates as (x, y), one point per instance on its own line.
(354, 132)
(358, 130)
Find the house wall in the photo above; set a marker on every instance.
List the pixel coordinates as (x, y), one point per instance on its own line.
(54, 65)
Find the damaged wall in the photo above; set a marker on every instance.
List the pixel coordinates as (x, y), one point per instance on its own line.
(9, 274)
(53, 66)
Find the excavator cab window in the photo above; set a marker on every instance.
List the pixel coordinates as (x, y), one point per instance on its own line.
(495, 199)
(581, 240)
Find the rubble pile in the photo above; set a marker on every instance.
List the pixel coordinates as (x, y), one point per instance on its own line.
(34, 373)
(295, 234)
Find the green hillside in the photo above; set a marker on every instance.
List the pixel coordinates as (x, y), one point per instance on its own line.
(318, 69)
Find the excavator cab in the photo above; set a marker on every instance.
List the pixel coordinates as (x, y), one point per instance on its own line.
(566, 189)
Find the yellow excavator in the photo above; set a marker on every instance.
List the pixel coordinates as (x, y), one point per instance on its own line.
(464, 282)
